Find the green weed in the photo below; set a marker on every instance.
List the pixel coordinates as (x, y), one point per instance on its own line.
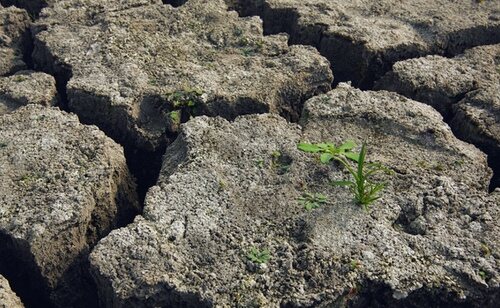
(312, 201)
(20, 78)
(485, 249)
(258, 256)
(329, 151)
(175, 116)
(183, 105)
(355, 264)
(364, 189)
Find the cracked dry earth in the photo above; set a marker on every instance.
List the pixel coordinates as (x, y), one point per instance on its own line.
(147, 146)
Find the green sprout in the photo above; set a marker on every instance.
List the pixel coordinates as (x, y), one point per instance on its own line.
(483, 274)
(329, 151)
(258, 256)
(355, 264)
(183, 105)
(312, 201)
(365, 191)
(20, 78)
(485, 249)
(175, 116)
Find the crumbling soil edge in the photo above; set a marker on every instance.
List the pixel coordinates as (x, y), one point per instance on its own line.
(351, 61)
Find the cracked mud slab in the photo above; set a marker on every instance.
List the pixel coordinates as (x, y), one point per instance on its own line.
(14, 37)
(26, 87)
(33, 7)
(465, 89)
(139, 68)
(226, 187)
(63, 186)
(363, 38)
(8, 299)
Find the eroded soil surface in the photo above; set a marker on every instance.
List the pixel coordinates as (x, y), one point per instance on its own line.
(148, 153)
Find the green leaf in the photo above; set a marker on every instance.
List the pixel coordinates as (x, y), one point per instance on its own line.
(376, 188)
(258, 256)
(361, 162)
(320, 198)
(326, 158)
(308, 206)
(175, 116)
(325, 146)
(352, 156)
(347, 146)
(310, 148)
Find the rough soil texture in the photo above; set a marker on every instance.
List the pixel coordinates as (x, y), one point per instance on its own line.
(14, 39)
(134, 62)
(63, 186)
(363, 38)
(226, 187)
(26, 87)
(32, 6)
(465, 89)
(8, 299)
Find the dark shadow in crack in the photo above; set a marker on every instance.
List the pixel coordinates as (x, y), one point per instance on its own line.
(34, 7)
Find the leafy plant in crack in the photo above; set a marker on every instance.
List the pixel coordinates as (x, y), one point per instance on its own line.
(183, 105)
(364, 189)
(258, 256)
(312, 201)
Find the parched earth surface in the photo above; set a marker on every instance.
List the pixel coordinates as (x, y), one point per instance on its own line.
(214, 97)
(227, 187)
(465, 89)
(14, 39)
(63, 186)
(27, 87)
(134, 62)
(8, 299)
(138, 68)
(363, 38)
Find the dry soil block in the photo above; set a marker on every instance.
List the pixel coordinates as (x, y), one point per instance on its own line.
(139, 67)
(227, 187)
(465, 89)
(8, 299)
(26, 87)
(32, 6)
(362, 39)
(63, 186)
(14, 39)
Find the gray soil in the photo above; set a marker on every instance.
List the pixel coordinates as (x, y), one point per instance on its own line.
(465, 89)
(223, 190)
(8, 299)
(63, 186)
(148, 153)
(14, 39)
(132, 63)
(26, 87)
(362, 39)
